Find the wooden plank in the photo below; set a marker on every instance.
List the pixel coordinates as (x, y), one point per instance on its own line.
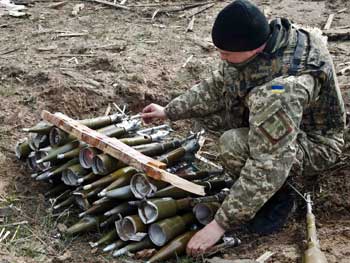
(337, 34)
(120, 151)
(329, 22)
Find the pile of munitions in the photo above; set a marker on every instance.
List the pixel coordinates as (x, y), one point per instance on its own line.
(132, 211)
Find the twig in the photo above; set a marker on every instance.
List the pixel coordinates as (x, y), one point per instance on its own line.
(341, 27)
(159, 5)
(15, 234)
(344, 64)
(73, 55)
(73, 35)
(110, 4)
(5, 236)
(154, 14)
(9, 51)
(183, 7)
(190, 25)
(344, 71)
(49, 31)
(205, 160)
(16, 224)
(57, 5)
(265, 257)
(42, 49)
(187, 61)
(108, 110)
(118, 108)
(329, 22)
(342, 10)
(202, 10)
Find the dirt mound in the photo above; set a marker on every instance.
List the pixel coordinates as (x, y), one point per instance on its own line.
(333, 199)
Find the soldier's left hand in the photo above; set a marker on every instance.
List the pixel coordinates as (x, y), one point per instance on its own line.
(204, 239)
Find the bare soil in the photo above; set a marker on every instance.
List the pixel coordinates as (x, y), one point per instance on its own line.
(129, 58)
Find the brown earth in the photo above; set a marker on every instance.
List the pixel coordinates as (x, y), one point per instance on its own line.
(126, 57)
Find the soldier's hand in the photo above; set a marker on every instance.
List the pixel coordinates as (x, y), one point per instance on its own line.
(153, 111)
(205, 239)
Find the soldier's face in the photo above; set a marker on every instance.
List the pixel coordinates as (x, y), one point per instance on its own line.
(236, 57)
(240, 57)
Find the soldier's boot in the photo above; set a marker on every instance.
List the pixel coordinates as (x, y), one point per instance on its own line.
(275, 213)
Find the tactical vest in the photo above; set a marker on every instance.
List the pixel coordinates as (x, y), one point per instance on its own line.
(303, 53)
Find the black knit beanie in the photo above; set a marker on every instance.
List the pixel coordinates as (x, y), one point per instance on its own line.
(240, 26)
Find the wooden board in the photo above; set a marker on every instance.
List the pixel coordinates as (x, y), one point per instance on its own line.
(120, 151)
(338, 34)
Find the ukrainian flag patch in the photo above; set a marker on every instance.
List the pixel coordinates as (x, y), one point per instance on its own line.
(277, 89)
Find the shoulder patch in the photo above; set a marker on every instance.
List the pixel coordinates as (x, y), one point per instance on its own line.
(277, 89)
(276, 127)
(273, 124)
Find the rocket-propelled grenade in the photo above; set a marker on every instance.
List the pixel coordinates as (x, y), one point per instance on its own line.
(110, 183)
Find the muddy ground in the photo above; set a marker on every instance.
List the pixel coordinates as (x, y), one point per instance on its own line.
(125, 56)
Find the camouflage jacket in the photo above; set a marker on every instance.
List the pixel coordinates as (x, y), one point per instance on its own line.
(248, 92)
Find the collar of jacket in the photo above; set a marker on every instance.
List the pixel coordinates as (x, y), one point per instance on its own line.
(280, 30)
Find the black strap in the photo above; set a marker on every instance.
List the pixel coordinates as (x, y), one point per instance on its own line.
(298, 53)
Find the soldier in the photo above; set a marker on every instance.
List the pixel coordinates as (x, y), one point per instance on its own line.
(277, 100)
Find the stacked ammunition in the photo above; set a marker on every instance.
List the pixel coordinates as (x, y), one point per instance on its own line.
(134, 211)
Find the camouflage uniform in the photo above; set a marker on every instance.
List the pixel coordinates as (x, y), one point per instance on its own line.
(282, 111)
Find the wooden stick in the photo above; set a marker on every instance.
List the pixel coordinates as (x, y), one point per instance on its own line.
(342, 10)
(5, 236)
(120, 151)
(202, 10)
(9, 51)
(49, 48)
(57, 5)
(187, 61)
(264, 257)
(73, 55)
(329, 22)
(72, 35)
(108, 110)
(110, 4)
(344, 71)
(182, 8)
(160, 5)
(341, 27)
(191, 24)
(49, 31)
(16, 224)
(339, 34)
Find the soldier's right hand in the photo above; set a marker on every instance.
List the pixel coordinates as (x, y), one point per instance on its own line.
(153, 111)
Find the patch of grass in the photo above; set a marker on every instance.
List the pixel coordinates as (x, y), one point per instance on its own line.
(30, 252)
(7, 91)
(9, 199)
(48, 222)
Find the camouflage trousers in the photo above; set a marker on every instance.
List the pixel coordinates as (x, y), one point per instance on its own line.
(315, 153)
